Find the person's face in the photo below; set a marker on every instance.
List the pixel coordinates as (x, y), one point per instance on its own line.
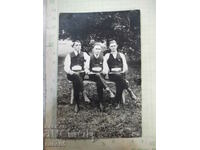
(113, 47)
(97, 49)
(77, 46)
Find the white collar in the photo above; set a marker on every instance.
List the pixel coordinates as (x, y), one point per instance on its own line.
(76, 53)
(114, 54)
(96, 56)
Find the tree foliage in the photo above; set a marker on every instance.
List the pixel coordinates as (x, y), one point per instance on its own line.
(124, 27)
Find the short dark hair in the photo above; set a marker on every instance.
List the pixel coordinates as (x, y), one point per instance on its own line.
(76, 41)
(112, 41)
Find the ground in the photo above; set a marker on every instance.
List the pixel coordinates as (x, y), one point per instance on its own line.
(90, 122)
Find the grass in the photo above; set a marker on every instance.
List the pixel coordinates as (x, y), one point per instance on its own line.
(89, 122)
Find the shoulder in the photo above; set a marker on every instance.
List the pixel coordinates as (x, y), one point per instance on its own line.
(91, 54)
(67, 56)
(107, 56)
(85, 54)
(121, 55)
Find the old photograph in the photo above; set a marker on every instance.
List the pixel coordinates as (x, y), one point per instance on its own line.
(99, 75)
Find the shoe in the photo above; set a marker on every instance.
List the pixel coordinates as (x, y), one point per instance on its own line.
(76, 108)
(117, 107)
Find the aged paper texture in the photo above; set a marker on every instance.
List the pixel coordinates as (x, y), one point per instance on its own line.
(147, 141)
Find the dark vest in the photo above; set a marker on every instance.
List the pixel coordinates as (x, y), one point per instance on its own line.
(96, 62)
(115, 63)
(77, 60)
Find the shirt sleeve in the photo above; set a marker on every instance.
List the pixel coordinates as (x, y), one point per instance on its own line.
(67, 64)
(105, 64)
(125, 66)
(87, 62)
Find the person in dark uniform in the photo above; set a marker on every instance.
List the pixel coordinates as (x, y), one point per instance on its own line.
(95, 73)
(75, 66)
(115, 66)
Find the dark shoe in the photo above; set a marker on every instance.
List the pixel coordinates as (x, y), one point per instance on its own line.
(76, 108)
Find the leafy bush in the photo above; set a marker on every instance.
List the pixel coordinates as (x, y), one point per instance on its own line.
(124, 27)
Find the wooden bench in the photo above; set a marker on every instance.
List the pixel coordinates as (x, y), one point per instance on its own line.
(85, 82)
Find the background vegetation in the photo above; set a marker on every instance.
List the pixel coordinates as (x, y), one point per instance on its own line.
(124, 27)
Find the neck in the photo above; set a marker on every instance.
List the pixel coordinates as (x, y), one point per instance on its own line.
(96, 55)
(77, 51)
(114, 52)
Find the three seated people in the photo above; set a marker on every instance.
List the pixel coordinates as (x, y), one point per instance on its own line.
(77, 64)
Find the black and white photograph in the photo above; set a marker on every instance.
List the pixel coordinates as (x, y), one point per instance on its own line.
(99, 75)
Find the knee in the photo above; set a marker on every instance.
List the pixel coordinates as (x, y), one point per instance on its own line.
(118, 85)
(76, 76)
(97, 76)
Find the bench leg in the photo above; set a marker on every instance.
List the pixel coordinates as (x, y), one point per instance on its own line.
(72, 96)
(123, 97)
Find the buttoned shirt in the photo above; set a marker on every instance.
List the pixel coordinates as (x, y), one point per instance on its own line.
(96, 55)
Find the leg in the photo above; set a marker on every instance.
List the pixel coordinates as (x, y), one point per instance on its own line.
(100, 96)
(132, 95)
(101, 81)
(124, 84)
(83, 92)
(100, 86)
(72, 96)
(77, 88)
(119, 91)
(123, 97)
(120, 86)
